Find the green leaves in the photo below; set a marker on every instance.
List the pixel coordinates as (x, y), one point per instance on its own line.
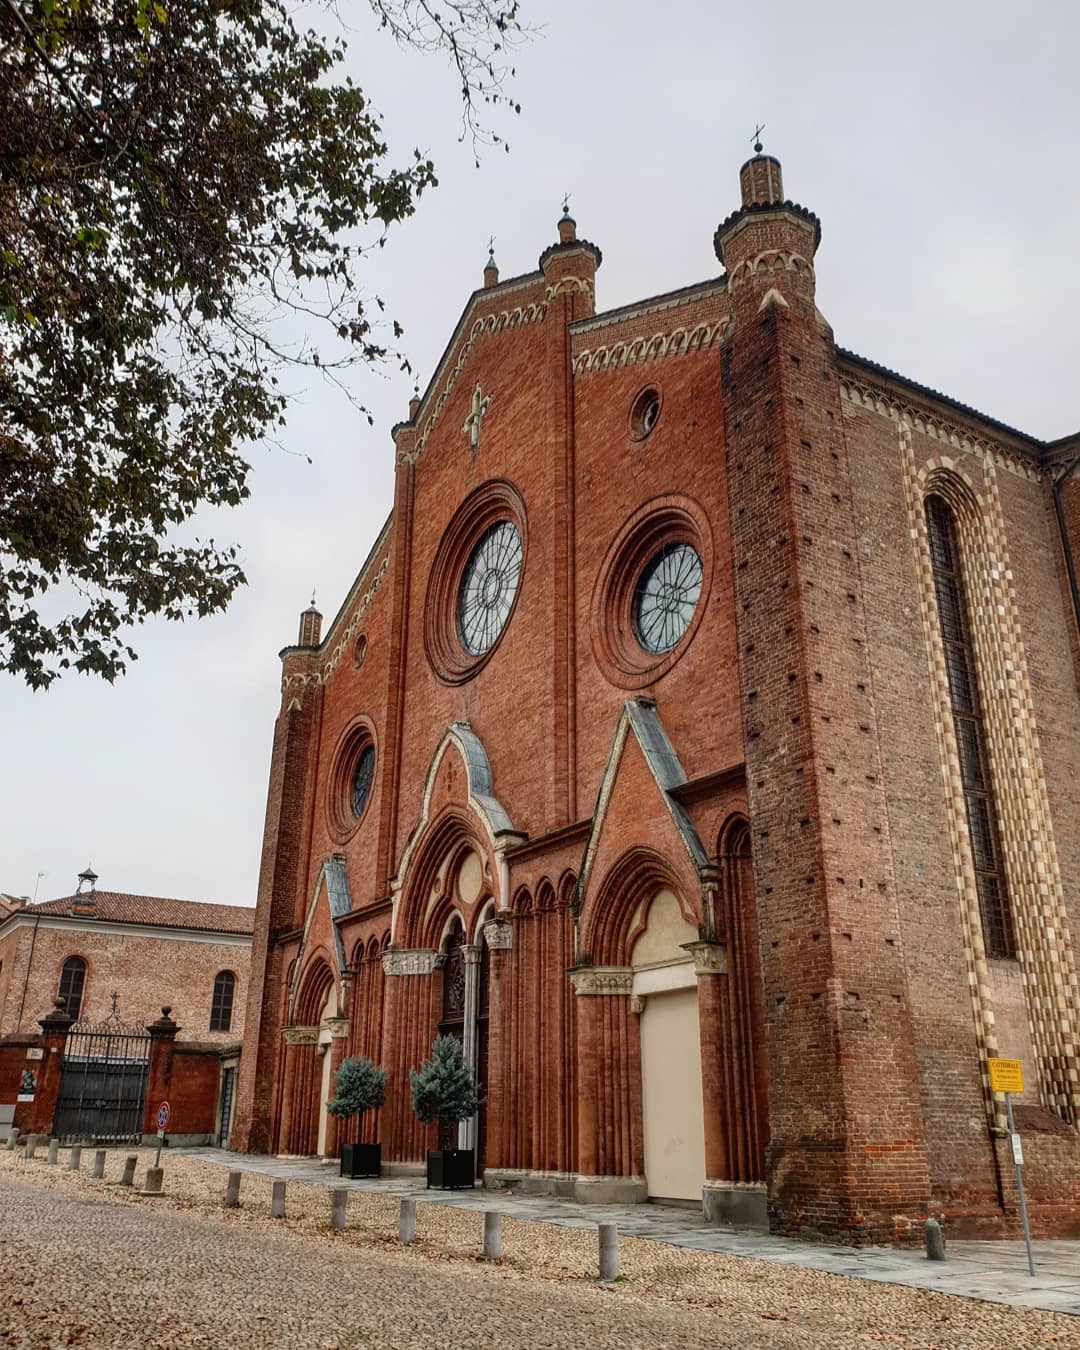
(174, 178)
(443, 1087)
(361, 1086)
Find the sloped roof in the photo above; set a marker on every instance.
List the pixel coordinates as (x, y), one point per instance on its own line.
(116, 907)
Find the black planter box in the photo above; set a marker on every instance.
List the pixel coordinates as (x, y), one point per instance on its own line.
(361, 1160)
(450, 1169)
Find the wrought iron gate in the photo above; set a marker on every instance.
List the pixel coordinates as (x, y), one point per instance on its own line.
(103, 1082)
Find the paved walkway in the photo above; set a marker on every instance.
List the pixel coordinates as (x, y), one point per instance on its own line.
(995, 1271)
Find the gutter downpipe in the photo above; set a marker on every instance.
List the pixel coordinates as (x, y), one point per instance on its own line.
(1070, 569)
(26, 977)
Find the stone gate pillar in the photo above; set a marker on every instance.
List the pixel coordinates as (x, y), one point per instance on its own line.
(159, 1075)
(54, 1030)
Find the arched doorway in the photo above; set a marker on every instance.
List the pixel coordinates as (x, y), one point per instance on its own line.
(665, 986)
(464, 1015)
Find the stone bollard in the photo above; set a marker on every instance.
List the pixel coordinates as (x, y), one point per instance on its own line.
(54, 1151)
(337, 1208)
(31, 1146)
(406, 1229)
(935, 1241)
(492, 1235)
(232, 1190)
(609, 1252)
(13, 1138)
(97, 1170)
(277, 1200)
(128, 1175)
(75, 1160)
(154, 1178)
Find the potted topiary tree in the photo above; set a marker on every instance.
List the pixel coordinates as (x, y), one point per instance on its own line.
(361, 1086)
(443, 1089)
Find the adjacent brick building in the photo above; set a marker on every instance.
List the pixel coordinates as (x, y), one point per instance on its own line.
(108, 955)
(699, 742)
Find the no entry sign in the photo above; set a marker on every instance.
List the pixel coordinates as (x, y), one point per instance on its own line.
(163, 1114)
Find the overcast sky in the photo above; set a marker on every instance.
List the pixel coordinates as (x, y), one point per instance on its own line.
(936, 141)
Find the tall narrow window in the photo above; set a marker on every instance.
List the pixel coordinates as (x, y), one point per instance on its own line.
(221, 1004)
(72, 979)
(966, 705)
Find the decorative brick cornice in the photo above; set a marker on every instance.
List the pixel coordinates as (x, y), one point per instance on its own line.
(419, 961)
(344, 637)
(602, 980)
(569, 285)
(863, 394)
(769, 260)
(493, 323)
(677, 342)
(738, 220)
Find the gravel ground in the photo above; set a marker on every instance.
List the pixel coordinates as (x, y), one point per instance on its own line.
(90, 1264)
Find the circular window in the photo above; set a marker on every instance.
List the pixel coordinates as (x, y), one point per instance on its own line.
(359, 651)
(351, 780)
(488, 586)
(475, 581)
(666, 596)
(644, 413)
(652, 591)
(363, 777)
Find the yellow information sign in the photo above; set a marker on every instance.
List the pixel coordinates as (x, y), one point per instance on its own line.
(1006, 1075)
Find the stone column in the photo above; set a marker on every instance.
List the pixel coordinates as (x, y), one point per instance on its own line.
(162, 1044)
(471, 954)
(54, 1030)
(339, 1031)
(604, 1071)
(498, 934)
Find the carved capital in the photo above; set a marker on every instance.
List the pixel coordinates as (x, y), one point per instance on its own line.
(637, 1004)
(605, 980)
(300, 1035)
(471, 954)
(499, 935)
(710, 958)
(421, 961)
(338, 1028)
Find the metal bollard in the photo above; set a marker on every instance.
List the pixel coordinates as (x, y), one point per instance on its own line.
(277, 1200)
(13, 1138)
(75, 1160)
(130, 1163)
(97, 1170)
(31, 1146)
(935, 1241)
(609, 1252)
(407, 1220)
(492, 1235)
(54, 1151)
(152, 1184)
(337, 1208)
(232, 1190)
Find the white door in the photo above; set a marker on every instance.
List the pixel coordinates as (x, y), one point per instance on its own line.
(671, 1096)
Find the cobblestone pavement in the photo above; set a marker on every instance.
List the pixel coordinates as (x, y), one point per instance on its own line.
(996, 1271)
(87, 1263)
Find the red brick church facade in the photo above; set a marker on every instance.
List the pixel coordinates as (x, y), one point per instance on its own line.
(699, 742)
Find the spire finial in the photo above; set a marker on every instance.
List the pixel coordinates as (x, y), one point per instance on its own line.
(756, 138)
(313, 597)
(491, 251)
(566, 203)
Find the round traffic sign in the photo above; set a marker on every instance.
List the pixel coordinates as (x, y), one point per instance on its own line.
(163, 1114)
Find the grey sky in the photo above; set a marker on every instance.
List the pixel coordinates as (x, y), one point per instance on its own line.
(938, 144)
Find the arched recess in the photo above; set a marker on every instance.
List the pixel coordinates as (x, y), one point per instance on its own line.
(308, 1058)
(610, 926)
(451, 872)
(743, 1066)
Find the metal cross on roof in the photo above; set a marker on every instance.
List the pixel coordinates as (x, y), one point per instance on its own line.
(756, 137)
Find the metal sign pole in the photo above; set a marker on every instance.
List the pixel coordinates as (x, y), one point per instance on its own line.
(157, 1155)
(1018, 1159)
